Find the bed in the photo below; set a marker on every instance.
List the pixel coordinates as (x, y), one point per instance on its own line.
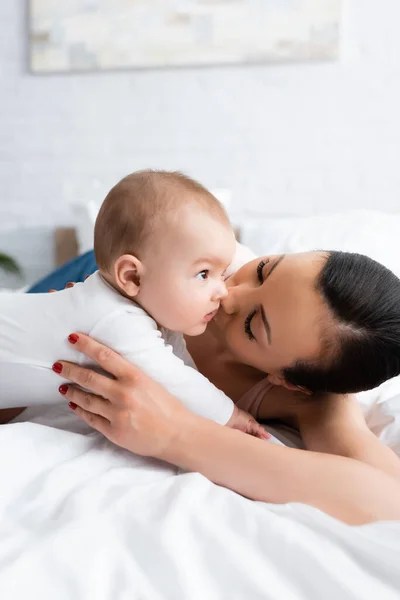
(80, 518)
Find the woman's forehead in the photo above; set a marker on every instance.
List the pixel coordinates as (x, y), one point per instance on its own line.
(295, 309)
(301, 267)
(306, 259)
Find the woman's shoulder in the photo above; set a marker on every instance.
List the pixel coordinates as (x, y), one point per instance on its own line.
(252, 400)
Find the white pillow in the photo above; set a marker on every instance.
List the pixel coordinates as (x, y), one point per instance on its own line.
(373, 233)
(85, 214)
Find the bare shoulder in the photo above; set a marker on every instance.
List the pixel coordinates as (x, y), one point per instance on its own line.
(296, 407)
(286, 405)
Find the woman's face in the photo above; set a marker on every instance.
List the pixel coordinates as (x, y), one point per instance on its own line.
(273, 315)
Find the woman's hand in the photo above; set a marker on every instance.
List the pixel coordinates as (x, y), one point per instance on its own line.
(131, 410)
(70, 284)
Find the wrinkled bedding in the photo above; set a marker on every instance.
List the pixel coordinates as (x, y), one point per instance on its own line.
(80, 518)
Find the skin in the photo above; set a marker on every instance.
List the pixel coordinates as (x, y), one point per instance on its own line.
(293, 307)
(283, 289)
(187, 261)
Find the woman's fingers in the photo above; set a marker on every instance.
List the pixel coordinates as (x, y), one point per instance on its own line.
(110, 361)
(96, 421)
(89, 402)
(87, 378)
(70, 284)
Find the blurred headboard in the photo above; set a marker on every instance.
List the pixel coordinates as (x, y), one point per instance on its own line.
(66, 245)
(37, 250)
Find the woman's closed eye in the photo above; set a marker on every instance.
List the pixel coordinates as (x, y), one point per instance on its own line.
(260, 268)
(247, 325)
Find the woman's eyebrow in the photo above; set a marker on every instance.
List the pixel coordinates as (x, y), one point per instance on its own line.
(262, 311)
(276, 263)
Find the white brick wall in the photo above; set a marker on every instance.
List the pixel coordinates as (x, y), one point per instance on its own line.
(285, 139)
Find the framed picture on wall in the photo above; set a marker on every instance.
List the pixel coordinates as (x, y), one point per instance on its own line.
(84, 35)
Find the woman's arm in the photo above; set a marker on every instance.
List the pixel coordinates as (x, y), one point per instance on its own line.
(138, 414)
(332, 424)
(336, 425)
(344, 488)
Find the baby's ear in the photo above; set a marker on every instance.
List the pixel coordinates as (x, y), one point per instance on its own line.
(127, 271)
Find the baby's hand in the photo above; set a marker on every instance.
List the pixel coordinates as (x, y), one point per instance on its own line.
(245, 422)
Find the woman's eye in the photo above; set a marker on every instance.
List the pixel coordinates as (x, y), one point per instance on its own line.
(260, 267)
(247, 325)
(202, 275)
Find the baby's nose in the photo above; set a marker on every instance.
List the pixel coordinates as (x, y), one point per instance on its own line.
(228, 303)
(223, 291)
(220, 291)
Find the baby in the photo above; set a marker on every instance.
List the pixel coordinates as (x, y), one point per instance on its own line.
(163, 244)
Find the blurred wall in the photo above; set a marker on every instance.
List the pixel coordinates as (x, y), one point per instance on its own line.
(285, 139)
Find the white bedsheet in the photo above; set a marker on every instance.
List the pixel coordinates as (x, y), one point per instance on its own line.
(82, 519)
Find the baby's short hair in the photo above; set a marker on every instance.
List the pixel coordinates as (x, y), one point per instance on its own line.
(138, 205)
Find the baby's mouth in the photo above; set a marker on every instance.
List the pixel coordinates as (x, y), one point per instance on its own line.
(218, 314)
(209, 316)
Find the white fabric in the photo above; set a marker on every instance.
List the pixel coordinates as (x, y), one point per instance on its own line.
(85, 214)
(82, 519)
(242, 256)
(381, 408)
(354, 231)
(33, 335)
(365, 231)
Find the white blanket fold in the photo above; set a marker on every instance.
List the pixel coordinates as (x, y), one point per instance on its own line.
(82, 519)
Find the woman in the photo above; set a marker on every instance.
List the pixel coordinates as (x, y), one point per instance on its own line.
(312, 321)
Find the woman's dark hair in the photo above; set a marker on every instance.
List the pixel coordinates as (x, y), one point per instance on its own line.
(364, 298)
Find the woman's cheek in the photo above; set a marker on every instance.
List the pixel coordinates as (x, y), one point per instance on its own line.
(235, 340)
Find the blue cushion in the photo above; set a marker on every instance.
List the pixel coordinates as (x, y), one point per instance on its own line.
(74, 270)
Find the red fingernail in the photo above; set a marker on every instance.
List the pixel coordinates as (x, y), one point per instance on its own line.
(72, 405)
(57, 367)
(63, 389)
(73, 338)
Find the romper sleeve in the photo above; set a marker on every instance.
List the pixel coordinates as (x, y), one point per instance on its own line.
(134, 335)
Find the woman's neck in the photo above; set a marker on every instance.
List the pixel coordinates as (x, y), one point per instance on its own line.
(216, 363)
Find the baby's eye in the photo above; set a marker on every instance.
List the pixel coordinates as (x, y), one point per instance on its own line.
(203, 275)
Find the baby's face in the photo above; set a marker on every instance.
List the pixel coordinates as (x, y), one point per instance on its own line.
(182, 284)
